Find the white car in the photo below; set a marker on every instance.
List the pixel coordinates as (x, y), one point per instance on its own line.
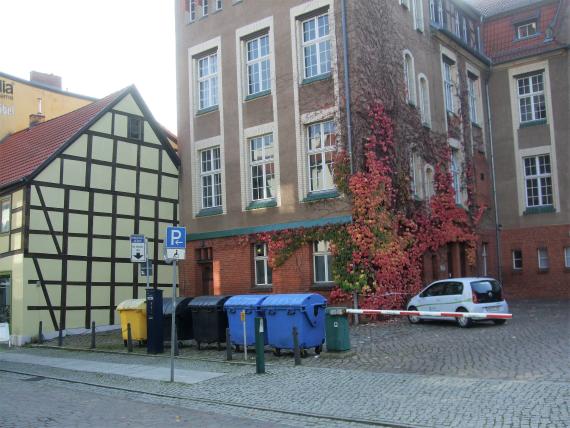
(460, 295)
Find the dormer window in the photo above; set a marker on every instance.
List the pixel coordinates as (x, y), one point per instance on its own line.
(526, 30)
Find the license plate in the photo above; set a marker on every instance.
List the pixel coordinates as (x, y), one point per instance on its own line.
(492, 308)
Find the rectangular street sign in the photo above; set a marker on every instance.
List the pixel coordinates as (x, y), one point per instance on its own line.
(175, 237)
(144, 271)
(175, 254)
(138, 249)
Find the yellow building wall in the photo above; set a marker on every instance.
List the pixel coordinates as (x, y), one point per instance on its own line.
(107, 196)
(15, 108)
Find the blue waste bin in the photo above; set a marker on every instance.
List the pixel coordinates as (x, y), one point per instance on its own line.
(251, 304)
(304, 311)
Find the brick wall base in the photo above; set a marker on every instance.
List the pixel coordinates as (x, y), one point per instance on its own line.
(530, 282)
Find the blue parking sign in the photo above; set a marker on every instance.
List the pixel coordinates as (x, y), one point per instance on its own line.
(176, 237)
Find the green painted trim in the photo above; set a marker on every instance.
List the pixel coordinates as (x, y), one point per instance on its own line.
(450, 303)
(258, 95)
(539, 210)
(261, 204)
(210, 211)
(268, 228)
(206, 110)
(317, 196)
(318, 78)
(533, 123)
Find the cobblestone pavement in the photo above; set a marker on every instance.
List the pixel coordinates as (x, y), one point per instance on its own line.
(39, 402)
(535, 344)
(412, 399)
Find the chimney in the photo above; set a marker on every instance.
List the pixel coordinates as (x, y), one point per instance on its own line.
(38, 117)
(46, 79)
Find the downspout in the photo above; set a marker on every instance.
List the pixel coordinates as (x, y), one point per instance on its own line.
(347, 101)
(497, 226)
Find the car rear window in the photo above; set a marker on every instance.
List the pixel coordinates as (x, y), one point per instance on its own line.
(487, 290)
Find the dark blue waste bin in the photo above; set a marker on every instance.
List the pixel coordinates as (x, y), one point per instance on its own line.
(251, 305)
(209, 321)
(304, 311)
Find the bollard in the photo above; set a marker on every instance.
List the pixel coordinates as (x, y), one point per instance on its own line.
(228, 345)
(60, 338)
(259, 346)
(129, 338)
(296, 349)
(92, 335)
(40, 334)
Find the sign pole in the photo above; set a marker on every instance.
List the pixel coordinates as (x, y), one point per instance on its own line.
(173, 324)
(147, 263)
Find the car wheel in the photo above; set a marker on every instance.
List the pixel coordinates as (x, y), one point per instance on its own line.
(499, 322)
(414, 319)
(464, 322)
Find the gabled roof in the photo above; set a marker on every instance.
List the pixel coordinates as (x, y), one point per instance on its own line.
(25, 152)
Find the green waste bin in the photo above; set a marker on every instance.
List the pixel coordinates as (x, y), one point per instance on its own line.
(337, 331)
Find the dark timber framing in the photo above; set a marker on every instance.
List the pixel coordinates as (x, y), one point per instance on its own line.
(61, 238)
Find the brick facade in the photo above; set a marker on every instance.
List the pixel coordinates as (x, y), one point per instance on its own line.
(530, 282)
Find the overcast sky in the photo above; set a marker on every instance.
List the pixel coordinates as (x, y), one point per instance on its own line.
(97, 47)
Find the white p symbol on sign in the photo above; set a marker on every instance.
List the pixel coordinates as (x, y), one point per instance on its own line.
(176, 236)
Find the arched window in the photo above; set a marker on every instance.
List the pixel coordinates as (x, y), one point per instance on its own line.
(423, 91)
(409, 77)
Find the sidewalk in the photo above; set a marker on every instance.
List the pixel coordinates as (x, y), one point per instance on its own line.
(351, 394)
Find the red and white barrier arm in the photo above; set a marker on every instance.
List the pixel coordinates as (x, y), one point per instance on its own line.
(476, 315)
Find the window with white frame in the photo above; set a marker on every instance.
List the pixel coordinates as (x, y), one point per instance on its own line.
(414, 184)
(425, 112)
(455, 175)
(316, 46)
(543, 261)
(567, 257)
(465, 35)
(409, 78)
(262, 167)
(538, 181)
(211, 177)
(484, 257)
(205, 7)
(517, 259)
(418, 14)
(457, 24)
(258, 65)
(429, 182)
(263, 274)
(5, 207)
(321, 140)
(473, 90)
(448, 83)
(526, 30)
(208, 81)
(322, 261)
(219, 4)
(532, 105)
(190, 10)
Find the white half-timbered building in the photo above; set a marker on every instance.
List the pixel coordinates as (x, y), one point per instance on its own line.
(72, 191)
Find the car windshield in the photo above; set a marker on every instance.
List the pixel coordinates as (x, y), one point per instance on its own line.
(487, 290)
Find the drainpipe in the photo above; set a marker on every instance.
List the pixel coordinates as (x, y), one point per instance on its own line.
(497, 227)
(348, 112)
(346, 84)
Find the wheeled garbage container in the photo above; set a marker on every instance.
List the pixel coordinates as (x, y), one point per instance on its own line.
(209, 321)
(183, 318)
(133, 312)
(337, 330)
(250, 305)
(304, 311)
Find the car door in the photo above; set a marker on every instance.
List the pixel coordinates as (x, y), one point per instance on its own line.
(437, 297)
(453, 296)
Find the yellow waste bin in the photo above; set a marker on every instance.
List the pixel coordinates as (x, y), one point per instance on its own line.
(133, 312)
